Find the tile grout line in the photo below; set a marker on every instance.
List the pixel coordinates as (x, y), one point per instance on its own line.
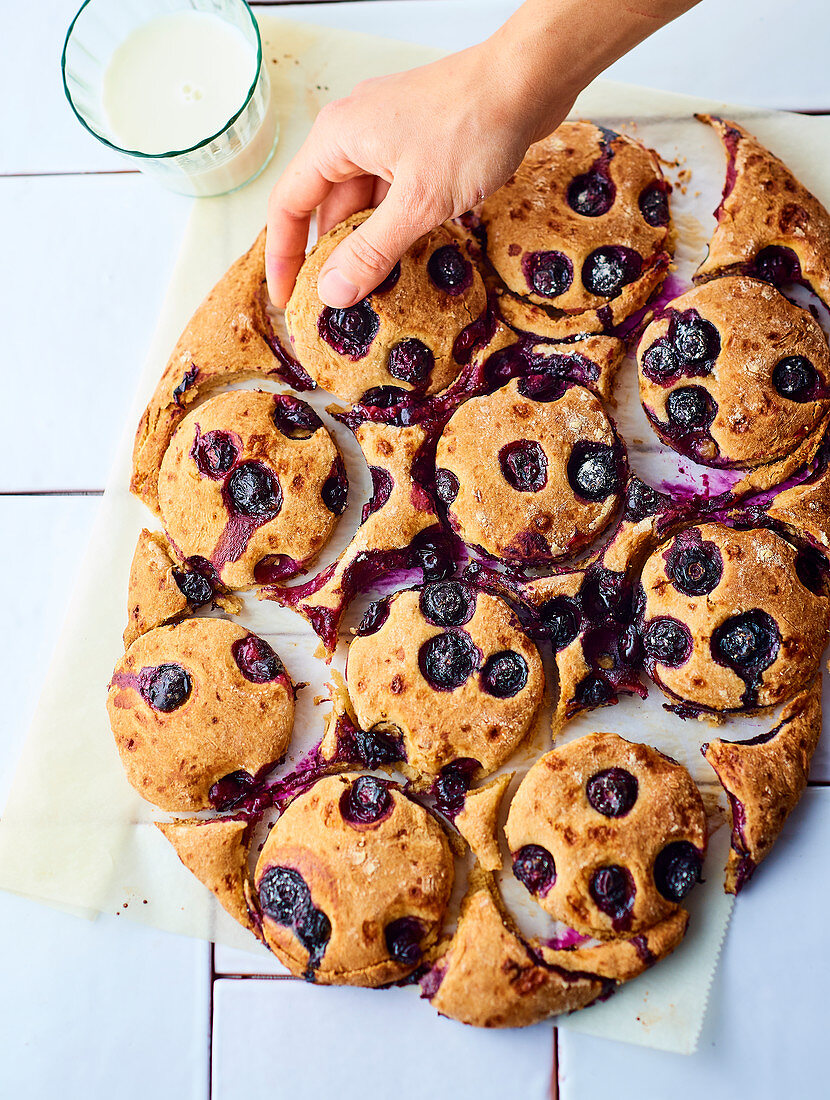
(554, 1076)
(51, 492)
(212, 957)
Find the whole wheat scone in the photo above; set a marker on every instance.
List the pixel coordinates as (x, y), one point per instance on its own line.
(216, 852)
(578, 235)
(228, 339)
(769, 224)
(163, 589)
(353, 882)
(449, 672)
(764, 779)
(193, 703)
(489, 975)
(477, 820)
(403, 334)
(532, 472)
(734, 375)
(803, 510)
(732, 619)
(252, 483)
(607, 835)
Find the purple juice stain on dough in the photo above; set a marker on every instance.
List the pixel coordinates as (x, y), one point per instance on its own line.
(256, 660)
(535, 869)
(275, 567)
(567, 941)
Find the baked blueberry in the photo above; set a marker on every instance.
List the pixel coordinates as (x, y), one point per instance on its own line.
(451, 786)
(403, 940)
(747, 643)
(593, 470)
(335, 491)
(591, 194)
(284, 895)
(667, 641)
(215, 453)
(294, 418)
(695, 340)
(690, 407)
(641, 500)
(612, 889)
(195, 588)
(776, 264)
(349, 331)
(693, 566)
(374, 617)
(504, 674)
(447, 603)
(795, 378)
(449, 270)
(677, 869)
(524, 465)
(548, 274)
(446, 485)
(612, 792)
(253, 490)
(560, 618)
(166, 687)
(256, 660)
(366, 802)
(411, 361)
(654, 204)
(533, 866)
(660, 362)
(607, 270)
(448, 660)
(593, 691)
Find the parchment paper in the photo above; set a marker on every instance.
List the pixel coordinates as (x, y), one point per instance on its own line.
(75, 834)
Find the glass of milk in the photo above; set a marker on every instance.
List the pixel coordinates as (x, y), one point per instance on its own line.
(180, 87)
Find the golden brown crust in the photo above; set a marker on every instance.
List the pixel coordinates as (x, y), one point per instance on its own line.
(758, 573)
(361, 877)
(196, 508)
(478, 821)
(765, 205)
(531, 214)
(387, 686)
(226, 723)
(414, 308)
(226, 339)
(753, 423)
(153, 598)
(514, 523)
(216, 852)
(551, 809)
(488, 976)
(805, 510)
(764, 779)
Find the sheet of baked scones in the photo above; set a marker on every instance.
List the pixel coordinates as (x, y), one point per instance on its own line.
(471, 637)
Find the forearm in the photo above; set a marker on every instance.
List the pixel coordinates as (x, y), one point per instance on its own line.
(553, 47)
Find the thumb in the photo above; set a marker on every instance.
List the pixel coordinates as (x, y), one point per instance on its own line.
(364, 259)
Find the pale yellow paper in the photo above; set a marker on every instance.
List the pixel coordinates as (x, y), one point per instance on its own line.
(74, 833)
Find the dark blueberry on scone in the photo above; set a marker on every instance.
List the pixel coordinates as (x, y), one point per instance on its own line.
(530, 480)
(728, 623)
(737, 376)
(440, 653)
(262, 499)
(353, 882)
(192, 704)
(607, 835)
(404, 334)
(578, 234)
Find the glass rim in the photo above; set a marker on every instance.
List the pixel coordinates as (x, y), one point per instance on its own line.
(171, 152)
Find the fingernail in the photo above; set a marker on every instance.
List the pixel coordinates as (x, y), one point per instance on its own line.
(336, 290)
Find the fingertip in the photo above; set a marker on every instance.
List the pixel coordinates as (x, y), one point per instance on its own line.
(336, 290)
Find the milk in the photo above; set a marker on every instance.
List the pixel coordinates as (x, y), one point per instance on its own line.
(175, 81)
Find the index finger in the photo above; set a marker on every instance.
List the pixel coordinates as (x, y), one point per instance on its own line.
(298, 192)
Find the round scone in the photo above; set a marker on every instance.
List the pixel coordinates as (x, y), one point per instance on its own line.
(607, 835)
(449, 671)
(252, 483)
(353, 882)
(193, 703)
(730, 619)
(578, 234)
(403, 334)
(733, 374)
(532, 472)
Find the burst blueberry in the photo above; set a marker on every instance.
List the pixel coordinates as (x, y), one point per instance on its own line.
(613, 890)
(560, 618)
(747, 643)
(256, 660)
(690, 407)
(612, 792)
(668, 642)
(195, 588)
(253, 490)
(293, 418)
(349, 331)
(447, 603)
(695, 340)
(524, 465)
(215, 453)
(411, 361)
(795, 378)
(367, 801)
(403, 940)
(535, 869)
(166, 687)
(593, 470)
(448, 660)
(548, 274)
(654, 205)
(504, 674)
(591, 194)
(677, 869)
(607, 270)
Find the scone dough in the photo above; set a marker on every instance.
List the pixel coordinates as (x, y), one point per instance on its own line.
(732, 619)
(607, 835)
(578, 234)
(192, 703)
(253, 484)
(353, 882)
(450, 671)
(734, 375)
(403, 334)
(530, 473)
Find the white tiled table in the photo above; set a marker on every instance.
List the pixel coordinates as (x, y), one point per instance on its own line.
(108, 1008)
